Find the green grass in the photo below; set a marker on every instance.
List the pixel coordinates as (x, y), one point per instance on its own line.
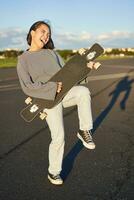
(12, 62)
(8, 62)
(103, 57)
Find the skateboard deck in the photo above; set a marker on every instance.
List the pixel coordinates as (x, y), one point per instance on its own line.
(74, 71)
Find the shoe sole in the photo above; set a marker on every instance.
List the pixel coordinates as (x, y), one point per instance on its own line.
(54, 181)
(88, 146)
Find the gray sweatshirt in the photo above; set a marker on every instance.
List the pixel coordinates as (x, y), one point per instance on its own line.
(34, 71)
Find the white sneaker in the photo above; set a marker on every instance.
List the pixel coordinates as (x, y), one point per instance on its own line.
(55, 179)
(86, 138)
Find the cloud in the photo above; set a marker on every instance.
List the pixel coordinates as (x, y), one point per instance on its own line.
(72, 40)
(117, 39)
(113, 39)
(115, 35)
(13, 38)
(16, 38)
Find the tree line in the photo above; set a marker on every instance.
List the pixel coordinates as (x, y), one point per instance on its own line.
(66, 54)
(15, 53)
(10, 53)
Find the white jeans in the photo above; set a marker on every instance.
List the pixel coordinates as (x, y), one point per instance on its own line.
(80, 96)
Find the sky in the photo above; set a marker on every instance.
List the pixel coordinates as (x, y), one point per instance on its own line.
(74, 23)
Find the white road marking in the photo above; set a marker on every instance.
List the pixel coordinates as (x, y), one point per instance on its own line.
(109, 76)
(9, 87)
(16, 86)
(8, 79)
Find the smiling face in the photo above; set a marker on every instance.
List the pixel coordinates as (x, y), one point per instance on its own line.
(40, 37)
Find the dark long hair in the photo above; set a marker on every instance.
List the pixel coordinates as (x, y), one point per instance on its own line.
(50, 44)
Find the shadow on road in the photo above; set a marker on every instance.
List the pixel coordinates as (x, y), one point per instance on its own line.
(125, 86)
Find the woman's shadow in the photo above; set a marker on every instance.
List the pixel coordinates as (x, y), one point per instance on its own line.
(124, 86)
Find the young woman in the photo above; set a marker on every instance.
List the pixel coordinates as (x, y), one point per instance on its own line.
(35, 67)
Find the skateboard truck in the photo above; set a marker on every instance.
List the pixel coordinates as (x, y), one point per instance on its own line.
(34, 108)
(90, 56)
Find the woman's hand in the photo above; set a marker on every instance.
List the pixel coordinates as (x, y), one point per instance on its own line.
(93, 65)
(59, 87)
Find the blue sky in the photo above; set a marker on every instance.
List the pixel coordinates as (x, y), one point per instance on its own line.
(75, 23)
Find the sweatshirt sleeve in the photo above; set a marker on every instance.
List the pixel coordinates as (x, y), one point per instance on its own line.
(34, 89)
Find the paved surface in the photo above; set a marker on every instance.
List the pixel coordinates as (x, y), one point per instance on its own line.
(106, 173)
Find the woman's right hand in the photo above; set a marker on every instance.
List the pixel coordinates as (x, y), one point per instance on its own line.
(59, 87)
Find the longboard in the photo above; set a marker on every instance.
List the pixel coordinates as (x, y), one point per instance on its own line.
(74, 71)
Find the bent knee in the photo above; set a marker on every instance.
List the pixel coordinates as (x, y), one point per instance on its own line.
(84, 91)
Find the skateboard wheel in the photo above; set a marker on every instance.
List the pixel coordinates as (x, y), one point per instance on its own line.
(43, 115)
(28, 100)
(81, 51)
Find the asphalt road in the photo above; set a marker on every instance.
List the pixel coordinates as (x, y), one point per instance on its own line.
(106, 173)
